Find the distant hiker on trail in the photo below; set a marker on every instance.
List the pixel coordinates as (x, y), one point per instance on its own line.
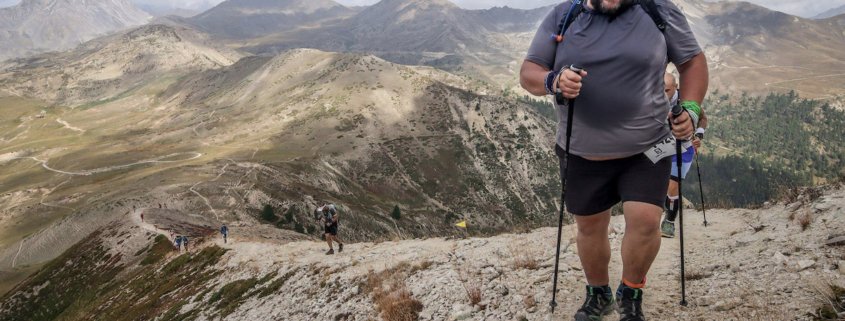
(225, 231)
(185, 242)
(327, 214)
(178, 243)
(609, 57)
(142, 217)
(667, 227)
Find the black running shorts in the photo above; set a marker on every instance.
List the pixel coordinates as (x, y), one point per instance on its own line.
(331, 229)
(595, 186)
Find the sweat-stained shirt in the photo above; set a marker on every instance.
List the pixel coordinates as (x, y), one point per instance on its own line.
(621, 110)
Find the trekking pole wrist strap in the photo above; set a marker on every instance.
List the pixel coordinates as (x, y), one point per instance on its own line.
(693, 109)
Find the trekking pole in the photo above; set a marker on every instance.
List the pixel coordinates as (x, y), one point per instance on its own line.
(701, 190)
(676, 111)
(570, 114)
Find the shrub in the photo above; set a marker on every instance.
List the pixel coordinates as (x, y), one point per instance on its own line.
(397, 213)
(268, 214)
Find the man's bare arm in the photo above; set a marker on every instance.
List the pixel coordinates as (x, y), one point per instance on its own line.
(695, 78)
(532, 77)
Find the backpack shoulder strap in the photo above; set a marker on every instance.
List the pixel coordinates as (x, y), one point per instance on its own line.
(574, 11)
(651, 9)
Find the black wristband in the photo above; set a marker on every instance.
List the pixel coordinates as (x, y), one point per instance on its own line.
(549, 82)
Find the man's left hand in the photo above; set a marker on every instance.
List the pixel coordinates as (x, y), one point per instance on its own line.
(682, 126)
(696, 143)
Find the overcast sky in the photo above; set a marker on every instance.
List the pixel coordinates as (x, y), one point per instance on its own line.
(805, 8)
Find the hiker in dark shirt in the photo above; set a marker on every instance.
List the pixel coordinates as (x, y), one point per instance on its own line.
(327, 214)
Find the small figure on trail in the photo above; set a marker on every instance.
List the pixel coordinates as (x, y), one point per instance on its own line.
(178, 243)
(225, 231)
(327, 214)
(667, 226)
(185, 242)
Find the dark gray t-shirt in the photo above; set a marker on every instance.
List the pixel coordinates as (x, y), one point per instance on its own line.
(621, 110)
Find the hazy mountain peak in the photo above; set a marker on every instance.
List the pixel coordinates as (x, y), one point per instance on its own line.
(421, 4)
(250, 18)
(41, 25)
(831, 13)
(290, 6)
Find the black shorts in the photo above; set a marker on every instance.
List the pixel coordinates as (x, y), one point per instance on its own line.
(595, 186)
(331, 229)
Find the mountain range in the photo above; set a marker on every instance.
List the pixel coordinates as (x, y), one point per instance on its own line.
(35, 26)
(241, 19)
(161, 116)
(831, 13)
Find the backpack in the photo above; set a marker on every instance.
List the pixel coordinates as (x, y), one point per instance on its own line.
(577, 8)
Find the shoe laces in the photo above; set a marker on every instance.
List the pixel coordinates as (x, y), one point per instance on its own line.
(630, 310)
(593, 303)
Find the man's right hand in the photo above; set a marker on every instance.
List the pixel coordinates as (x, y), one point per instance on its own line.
(570, 83)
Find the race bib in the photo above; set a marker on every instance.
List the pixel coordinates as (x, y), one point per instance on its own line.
(665, 148)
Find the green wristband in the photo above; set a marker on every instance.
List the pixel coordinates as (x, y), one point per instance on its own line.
(692, 106)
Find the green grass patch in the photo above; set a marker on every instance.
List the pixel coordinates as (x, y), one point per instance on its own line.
(276, 285)
(232, 295)
(161, 246)
(71, 280)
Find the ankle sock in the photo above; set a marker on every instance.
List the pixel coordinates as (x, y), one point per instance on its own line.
(634, 285)
(672, 209)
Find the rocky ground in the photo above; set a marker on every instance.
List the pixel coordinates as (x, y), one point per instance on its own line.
(746, 265)
(779, 262)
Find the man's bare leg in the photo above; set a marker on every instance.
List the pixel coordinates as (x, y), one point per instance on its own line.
(642, 240)
(594, 247)
(329, 241)
(673, 188)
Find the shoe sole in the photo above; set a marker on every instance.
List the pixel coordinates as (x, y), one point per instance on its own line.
(611, 308)
(668, 236)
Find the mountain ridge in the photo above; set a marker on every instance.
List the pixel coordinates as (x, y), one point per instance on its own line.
(41, 25)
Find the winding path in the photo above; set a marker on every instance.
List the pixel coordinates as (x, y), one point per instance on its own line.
(69, 126)
(158, 160)
(15, 259)
(136, 218)
(205, 199)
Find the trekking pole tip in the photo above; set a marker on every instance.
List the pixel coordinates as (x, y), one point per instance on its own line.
(683, 303)
(552, 306)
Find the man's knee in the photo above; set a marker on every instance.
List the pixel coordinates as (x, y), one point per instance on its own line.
(593, 225)
(642, 218)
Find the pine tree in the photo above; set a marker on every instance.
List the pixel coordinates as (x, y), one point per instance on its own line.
(268, 214)
(397, 213)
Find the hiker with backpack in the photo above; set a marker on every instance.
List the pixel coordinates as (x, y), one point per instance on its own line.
(225, 231)
(178, 243)
(673, 202)
(609, 56)
(328, 216)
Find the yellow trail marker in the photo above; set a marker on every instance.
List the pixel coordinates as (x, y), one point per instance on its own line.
(462, 224)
